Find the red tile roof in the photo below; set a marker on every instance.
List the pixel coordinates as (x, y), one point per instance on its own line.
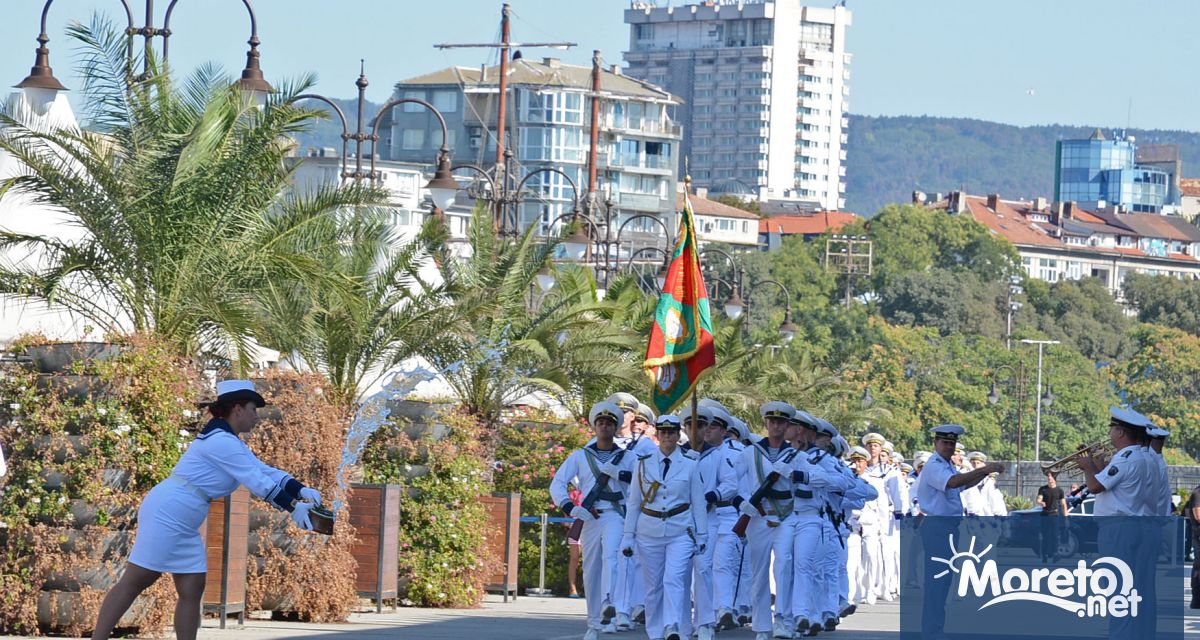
(1008, 221)
(1190, 186)
(706, 207)
(809, 225)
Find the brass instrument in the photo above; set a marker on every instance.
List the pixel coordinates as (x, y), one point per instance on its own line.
(1070, 463)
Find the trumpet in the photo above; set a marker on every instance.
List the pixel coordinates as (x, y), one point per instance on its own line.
(1070, 463)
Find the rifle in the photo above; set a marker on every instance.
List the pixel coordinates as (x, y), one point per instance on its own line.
(739, 528)
(590, 499)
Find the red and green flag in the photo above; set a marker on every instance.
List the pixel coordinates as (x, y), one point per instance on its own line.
(681, 339)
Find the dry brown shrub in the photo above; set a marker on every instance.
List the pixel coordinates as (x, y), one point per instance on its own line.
(292, 572)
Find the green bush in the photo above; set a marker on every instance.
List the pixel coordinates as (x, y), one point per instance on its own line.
(530, 449)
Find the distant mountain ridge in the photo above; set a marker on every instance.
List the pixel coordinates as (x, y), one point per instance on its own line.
(887, 158)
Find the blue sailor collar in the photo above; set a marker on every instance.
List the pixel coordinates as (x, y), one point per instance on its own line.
(215, 425)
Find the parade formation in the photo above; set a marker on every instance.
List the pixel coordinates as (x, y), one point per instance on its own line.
(788, 533)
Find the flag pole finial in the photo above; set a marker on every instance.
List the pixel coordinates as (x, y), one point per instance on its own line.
(687, 177)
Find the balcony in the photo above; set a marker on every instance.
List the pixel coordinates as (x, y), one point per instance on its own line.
(638, 201)
(660, 129)
(641, 161)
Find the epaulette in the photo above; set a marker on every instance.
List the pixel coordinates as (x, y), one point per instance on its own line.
(1126, 454)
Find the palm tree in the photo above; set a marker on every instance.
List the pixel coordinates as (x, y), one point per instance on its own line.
(516, 341)
(183, 196)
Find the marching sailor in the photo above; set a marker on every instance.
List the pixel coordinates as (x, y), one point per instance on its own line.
(168, 534)
(628, 591)
(720, 486)
(863, 522)
(770, 531)
(732, 547)
(592, 469)
(668, 523)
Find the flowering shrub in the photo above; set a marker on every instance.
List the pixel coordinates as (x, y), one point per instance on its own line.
(79, 466)
(442, 524)
(297, 573)
(530, 449)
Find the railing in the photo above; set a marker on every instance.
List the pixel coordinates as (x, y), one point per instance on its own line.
(542, 520)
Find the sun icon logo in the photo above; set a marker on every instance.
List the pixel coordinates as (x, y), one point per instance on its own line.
(958, 558)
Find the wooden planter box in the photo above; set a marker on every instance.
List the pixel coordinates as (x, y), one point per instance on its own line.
(375, 516)
(503, 540)
(226, 538)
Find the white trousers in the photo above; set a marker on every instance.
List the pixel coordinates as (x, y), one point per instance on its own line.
(856, 570)
(843, 571)
(665, 565)
(891, 560)
(830, 562)
(704, 613)
(808, 580)
(872, 542)
(770, 554)
(600, 539)
(728, 562)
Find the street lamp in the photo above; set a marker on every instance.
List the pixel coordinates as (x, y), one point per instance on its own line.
(787, 330)
(734, 306)
(545, 279)
(993, 397)
(1037, 444)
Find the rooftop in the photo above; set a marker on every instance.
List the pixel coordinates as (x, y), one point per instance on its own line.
(808, 224)
(548, 73)
(705, 207)
(1190, 187)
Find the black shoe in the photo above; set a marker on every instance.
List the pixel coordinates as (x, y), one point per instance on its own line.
(801, 627)
(674, 635)
(744, 620)
(849, 611)
(641, 617)
(831, 625)
(608, 614)
(726, 622)
(813, 630)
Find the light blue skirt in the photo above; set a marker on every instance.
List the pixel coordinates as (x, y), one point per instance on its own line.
(168, 533)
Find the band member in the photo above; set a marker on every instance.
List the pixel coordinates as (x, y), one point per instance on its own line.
(668, 523)
(601, 534)
(770, 531)
(939, 490)
(168, 535)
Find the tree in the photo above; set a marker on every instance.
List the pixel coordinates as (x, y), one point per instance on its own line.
(945, 300)
(1162, 380)
(1082, 313)
(1165, 300)
(184, 199)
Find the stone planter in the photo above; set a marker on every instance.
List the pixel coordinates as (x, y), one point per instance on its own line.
(56, 358)
(73, 387)
(421, 418)
(375, 516)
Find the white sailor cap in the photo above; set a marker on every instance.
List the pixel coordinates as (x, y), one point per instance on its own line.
(1157, 432)
(1130, 418)
(922, 458)
(239, 391)
(859, 453)
(604, 408)
(703, 414)
(739, 428)
(896, 458)
(806, 420)
(947, 432)
(825, 427)
(719, 416)
(668, 421)
(959, 448)
(977, 455)
(906, 467)
(624, 401)
(646, 412)
(710, 403)
(840, 446)
(873, 437)
(888, 446)
(777, 409)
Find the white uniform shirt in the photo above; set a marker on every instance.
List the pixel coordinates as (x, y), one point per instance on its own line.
(1164, 481)
(877, 511)
(994, 497)
(1129, 482)
(218, 461)
(890, 477)
(581, 469)
(935, 497)
(723, 466)
(649, 489)
(815, 480)
(754, 465)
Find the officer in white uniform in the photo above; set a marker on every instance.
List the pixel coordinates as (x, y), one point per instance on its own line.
(668, 522)
(939, 489)
(1158, 439)
(168, 534)
(770, 532)
(602, 528)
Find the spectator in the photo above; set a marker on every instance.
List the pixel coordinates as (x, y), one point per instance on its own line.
(573, 548)
(3, 464)
(1192, 512)
(1054, 507)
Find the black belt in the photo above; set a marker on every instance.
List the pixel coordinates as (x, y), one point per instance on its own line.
(775, 494)
(673, 511)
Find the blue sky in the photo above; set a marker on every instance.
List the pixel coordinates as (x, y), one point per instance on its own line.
(1083, 60)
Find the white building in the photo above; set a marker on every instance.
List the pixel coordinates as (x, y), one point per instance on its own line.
(763, 85)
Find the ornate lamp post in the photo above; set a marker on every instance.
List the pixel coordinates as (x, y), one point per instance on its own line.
(1016, 376)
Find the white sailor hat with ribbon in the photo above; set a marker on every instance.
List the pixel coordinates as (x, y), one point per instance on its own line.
(604, 408)
(873, 437)
(806, 420)
(238, 391)
(719, 416)
(777, 409)
(825, 427)
(739, 428)
(977, 455)
(645, 411)
(859, 453)
(703, 414)
(624, 401)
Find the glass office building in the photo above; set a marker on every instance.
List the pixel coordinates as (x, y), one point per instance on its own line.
(1097, 172)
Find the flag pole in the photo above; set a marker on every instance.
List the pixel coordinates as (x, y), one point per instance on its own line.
(692, 431)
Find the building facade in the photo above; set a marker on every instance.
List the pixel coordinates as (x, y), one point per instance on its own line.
(549, 119)
(1098, 172)
(764, 86)
(1063, 241)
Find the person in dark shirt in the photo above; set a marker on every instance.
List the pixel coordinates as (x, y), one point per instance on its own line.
(1191, 511)
(1053, 502)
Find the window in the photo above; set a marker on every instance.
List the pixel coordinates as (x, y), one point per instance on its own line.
(745, 226)
(412, 107)
(445, 101)
(413, 139)
(643, 31)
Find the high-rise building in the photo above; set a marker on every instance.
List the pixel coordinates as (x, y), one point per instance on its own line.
(763, 85)
(549, 126)
(1098, 172)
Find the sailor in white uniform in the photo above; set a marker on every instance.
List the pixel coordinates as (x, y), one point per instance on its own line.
(1158, 439)
(860, 520)
(597, 470)
(628, 592)
(717, 470)
(168, 535)
(727, 550)
(668, 523)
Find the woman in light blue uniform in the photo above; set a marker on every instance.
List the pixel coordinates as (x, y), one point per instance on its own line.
(168, 535)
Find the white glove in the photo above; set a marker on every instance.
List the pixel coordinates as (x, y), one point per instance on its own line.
(579, 513)
(300, 515)
(611, 470)
(784, 469)
(748, 509)
(627, 544)
(310, 494)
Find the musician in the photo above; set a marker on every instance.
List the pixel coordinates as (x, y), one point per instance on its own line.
(668, 523)
(169, 520)
(602, 526)
(769, 533)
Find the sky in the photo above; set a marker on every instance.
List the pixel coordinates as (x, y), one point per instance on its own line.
(1110, 63)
